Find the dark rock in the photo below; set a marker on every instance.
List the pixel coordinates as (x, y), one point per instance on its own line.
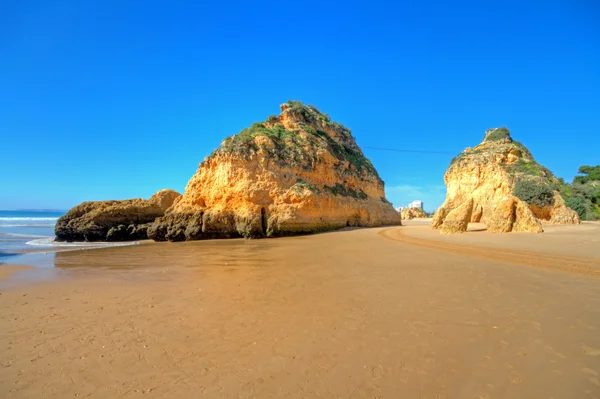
(124, 220)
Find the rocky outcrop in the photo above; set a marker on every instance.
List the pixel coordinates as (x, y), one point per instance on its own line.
(458, 219)
(412, 213)
(123, 220)
(512, 214)
(509, 189)
(296, 173)
(165, 198)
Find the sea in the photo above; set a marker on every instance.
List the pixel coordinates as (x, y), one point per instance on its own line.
(24, 231)
(20, 230)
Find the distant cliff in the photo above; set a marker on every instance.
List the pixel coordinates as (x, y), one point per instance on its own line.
(295, 173)
(412, 213)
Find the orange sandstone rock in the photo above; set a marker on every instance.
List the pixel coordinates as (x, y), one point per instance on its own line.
(508, 187)
(412, 213)
(458, 219)
(292, 174)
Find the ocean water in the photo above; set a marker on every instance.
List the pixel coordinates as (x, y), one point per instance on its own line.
(18, 228)
(23, 231)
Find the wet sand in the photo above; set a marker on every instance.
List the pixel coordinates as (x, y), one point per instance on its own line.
(7, 271)
(371, 313)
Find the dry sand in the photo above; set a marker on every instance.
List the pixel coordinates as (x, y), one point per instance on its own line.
(372, 313)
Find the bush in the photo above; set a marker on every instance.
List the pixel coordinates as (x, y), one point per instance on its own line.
(534, 192)
(498, 134)
(591, 173)
(579, 205)
(341, 190)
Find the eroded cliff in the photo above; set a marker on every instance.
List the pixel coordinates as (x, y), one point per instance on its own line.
(295, 173)
(508, 189)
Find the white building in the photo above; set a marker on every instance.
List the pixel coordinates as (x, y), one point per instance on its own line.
(416, 204)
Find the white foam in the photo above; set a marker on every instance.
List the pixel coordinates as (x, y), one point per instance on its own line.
(27, 222)
(26, 225)
(49, 242)
(32, 219)
(3, 234)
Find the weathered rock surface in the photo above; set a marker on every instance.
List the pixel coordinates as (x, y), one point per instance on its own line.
(458, 219)
(292, 174)
(165, 198)
(509, 189)
(123, 220)
(512, 214)
(412, 213)
(525, 220)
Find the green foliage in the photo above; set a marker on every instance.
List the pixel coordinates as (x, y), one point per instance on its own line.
(591, 173)
(347, 153)
(288, 145)
(301, 185)
(579, 205)
(465, 154)
(292, 149)
(583, 195)
(310, 113)
(341, 190)
(530, 168)
(498, 134)
(535, 192)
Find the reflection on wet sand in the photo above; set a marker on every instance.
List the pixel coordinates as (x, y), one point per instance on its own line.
(213, 253)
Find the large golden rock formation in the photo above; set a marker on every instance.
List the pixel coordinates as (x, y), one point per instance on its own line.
(122, 220)
(292, 174)
(508, 189)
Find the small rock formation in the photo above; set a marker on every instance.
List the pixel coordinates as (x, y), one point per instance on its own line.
(457, 219)
(508, 189)
(165, 198)
(412, 213)
(296, 173)
(123, 220)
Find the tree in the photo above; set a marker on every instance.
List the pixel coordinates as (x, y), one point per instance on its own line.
(591, 173)
(583, 195)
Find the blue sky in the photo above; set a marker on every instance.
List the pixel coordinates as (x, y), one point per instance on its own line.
(117, 99)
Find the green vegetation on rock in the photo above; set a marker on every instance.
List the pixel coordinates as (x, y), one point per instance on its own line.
(535, 192)
(291, 148)
(590, 174)
(529, 168)
(341, 190)
(498, 134)
(301, 185)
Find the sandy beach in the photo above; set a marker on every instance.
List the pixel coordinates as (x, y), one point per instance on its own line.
(399, 312)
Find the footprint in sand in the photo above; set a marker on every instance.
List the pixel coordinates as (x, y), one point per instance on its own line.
(515, 380)
(591, 351)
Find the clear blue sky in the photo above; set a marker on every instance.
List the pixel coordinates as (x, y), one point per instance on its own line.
(117, 99)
